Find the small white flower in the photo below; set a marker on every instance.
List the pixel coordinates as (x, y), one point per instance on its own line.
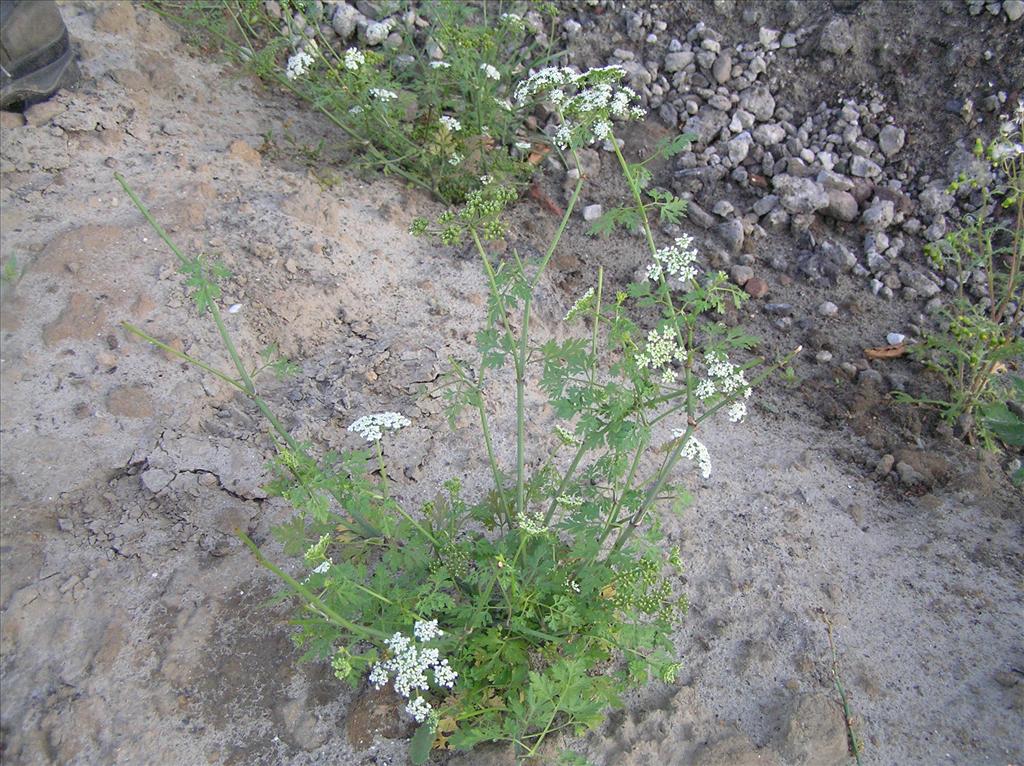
(562, 137)
(324, 567)
(419, 709)
(383, 94)
(378, 676)
(737, 411)
(451, 123)
(513, 20)
(410, 664)
(572, 585)
(676, 260)
(706, 389)
(694, 450)
(372, 427)
(490, 72)
(661, 350)
(440, 65)
(354, 59)
(444, 675)
(455, 159)
(523, 146)
(426, 630)
(298, 64)
(727, 377)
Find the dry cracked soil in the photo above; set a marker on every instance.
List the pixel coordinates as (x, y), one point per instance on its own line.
(134, 628)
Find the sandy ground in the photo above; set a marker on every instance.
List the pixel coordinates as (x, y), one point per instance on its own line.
(132, 625)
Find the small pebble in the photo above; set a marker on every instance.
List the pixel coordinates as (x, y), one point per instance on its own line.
(823, 357)
(895, 338)
(828, 309)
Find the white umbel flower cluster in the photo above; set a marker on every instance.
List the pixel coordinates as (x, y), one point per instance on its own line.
(451, 123)
(383, 94)
(354, 59)
(587, 101)
(728, 378)
(490, 72)
(695, 451)
(372, 427)
(676, 260)
(662, 349)
(410, 664)
(300, 62)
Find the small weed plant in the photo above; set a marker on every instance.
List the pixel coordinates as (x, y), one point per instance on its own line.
(981, 334)
(429, 100)
(529, 610)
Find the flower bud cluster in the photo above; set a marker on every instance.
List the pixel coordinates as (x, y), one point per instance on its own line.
(581, 305)
(531, 523)
(410, 663)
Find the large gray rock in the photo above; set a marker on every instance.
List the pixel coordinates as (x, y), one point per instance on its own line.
(891, 139)
(767, 204)
(842, 206)
(759, 102)
(879, 216)
(800, 195)
(935, 201)
(739, 147)
(706, 124)
(918, 280)
(862, 167)
(721, 70)
(345, 20)
(731, 235)
(770, 134)
(836, 37)
(677, 62)
(832, 180)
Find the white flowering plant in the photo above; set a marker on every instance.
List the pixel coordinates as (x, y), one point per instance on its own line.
(528, 611)
(432, 104)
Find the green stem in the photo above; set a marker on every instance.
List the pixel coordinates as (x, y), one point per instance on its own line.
(521, 409)
(613, 515)
(243, 373)
(309, 597)
(670, 463)
(481, 406)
